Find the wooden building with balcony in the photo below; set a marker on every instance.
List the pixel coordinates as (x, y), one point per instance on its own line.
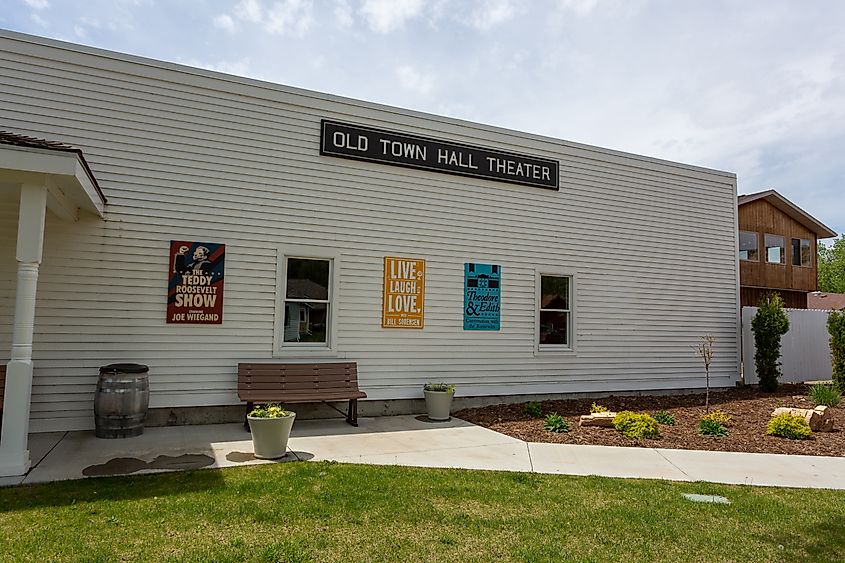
(777, 249)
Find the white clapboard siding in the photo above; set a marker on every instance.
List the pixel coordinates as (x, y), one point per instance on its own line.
(805, 348)
(188, 154)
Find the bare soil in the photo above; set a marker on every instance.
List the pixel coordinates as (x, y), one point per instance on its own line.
(749, 408)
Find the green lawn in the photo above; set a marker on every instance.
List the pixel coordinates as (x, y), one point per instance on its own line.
(335, 512)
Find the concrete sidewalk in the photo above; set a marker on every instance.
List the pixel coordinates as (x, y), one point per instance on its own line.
(412, 441)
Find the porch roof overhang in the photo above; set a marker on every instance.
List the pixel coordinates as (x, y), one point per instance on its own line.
(71, 185)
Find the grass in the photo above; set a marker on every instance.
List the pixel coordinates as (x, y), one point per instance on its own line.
(333, 512)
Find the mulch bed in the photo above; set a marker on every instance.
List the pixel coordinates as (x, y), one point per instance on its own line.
(750, 411)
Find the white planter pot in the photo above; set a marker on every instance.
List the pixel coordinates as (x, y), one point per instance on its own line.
(438, 404)
(270, 435)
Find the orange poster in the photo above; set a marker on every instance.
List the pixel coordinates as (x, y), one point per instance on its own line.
(404, 293)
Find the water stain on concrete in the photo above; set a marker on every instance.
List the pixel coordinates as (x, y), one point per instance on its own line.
(127, 465)
(424, 418)
(243, 457)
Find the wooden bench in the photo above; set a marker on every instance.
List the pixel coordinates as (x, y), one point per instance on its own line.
(301, 383)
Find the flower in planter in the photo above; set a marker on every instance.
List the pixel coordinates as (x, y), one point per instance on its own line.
(272, 410)
(439, 387)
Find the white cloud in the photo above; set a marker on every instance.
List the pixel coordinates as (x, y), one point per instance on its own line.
(385, 16)
(249, 11)
(37, 4)
(289, 16)
(224, 22)
(80, 31)
(490, 13)
(343, 14)
(39, 20)
(411, 79)
(580, 7)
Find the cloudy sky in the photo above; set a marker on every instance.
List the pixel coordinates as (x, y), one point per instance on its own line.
(755, 87)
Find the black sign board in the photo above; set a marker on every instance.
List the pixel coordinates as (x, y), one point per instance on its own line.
(399, 149)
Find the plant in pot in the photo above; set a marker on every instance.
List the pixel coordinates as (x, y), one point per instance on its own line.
(438, 400)
(270, 426)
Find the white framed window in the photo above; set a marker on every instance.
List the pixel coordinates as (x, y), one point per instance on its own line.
(555, 310)
(748, 248)
(306, 301)
(775, 249)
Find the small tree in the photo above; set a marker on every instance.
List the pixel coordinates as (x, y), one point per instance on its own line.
(836, 328)
(704, 350)
(769, 325)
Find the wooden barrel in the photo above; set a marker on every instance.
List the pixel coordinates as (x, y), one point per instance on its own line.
(120, 405)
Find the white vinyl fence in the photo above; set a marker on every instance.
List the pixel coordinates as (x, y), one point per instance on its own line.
(805, 349)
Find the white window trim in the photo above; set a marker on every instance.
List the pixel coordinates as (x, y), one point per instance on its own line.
(783, 249)
(282, 349)
(544, 349)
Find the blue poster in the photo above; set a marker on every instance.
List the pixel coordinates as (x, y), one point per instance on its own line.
(482, 293)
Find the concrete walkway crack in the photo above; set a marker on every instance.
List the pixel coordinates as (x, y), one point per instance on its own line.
(687, 475)
(530, 461)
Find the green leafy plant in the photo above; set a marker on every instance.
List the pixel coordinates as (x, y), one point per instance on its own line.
(710, 427)
(789, 426)
(836, 329)
(664, 418)
(439, 387)
(556, 423)
(704, 350)
(827, 395)
(271, 410)
(769, 325)
(718, 416)
(595, 407)
(533, 409)
(636, 426)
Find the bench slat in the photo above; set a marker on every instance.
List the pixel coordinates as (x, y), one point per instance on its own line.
(310, 377)
(300, 397)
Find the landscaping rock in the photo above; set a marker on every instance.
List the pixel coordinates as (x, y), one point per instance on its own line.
(602, 419)
(818, 418)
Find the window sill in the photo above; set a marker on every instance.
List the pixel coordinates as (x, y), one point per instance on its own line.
(305, 352)
(554, 351)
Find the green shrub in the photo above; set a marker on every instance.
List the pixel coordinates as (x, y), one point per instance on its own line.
(710, 427)
(594, 408)
(664, 418)
(827, 395)
(556, 423)
(836, 329)
(718, 416)
(533, 409)
(789, 426)
(636, 426)
(769, 325)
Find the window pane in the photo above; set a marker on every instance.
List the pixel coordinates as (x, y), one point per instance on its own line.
(775, 250)
(307, 279)
(796, 252)
(748, 246)
(554, 292)
(554, 327)
(306, 322)
(806, 253)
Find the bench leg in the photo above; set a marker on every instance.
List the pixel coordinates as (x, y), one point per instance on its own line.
(249, 406)
(352, 412)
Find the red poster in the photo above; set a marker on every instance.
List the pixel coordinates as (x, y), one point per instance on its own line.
(195, 286)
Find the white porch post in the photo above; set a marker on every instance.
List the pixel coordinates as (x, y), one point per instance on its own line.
(14, 455)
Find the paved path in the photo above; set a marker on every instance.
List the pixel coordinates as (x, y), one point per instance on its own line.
(411, 441)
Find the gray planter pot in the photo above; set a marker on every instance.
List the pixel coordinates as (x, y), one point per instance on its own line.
(438, 404)
(270, 435)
